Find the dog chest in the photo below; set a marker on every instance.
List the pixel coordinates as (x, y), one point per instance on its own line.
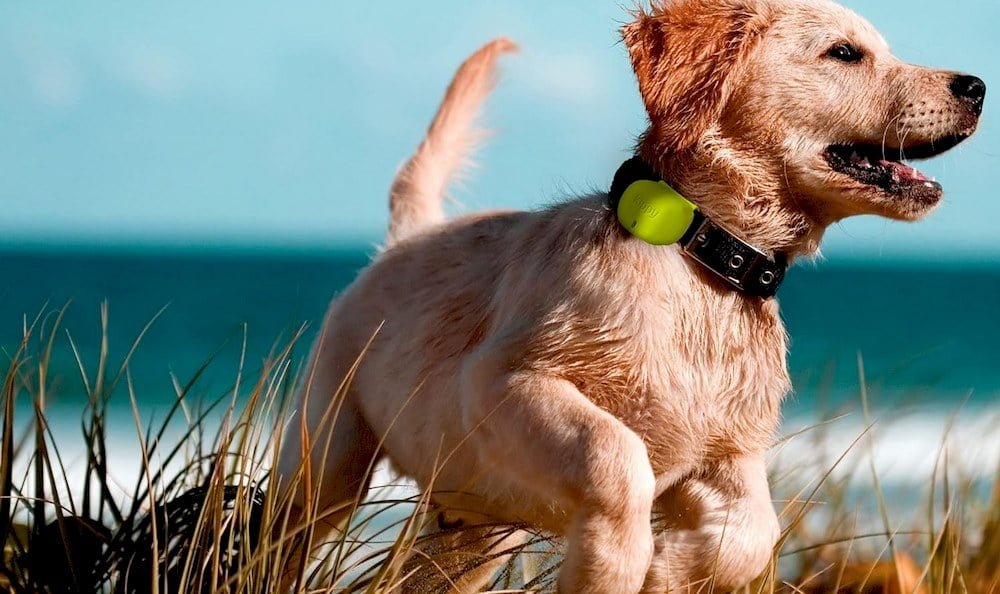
(717, 388)
(695, 378)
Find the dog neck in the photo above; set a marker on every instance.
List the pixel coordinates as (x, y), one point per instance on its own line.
(737, 190)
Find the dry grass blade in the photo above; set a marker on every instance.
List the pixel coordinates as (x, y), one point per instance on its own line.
(201, 518)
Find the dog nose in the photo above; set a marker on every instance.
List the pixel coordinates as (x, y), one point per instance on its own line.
(971, 89)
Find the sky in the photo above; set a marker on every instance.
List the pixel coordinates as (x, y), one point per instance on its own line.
(281, 124)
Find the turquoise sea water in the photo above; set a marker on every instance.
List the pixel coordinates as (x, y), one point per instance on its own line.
(927, 334)
(929, 337)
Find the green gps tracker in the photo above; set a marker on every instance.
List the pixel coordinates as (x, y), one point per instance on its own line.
(654, 212)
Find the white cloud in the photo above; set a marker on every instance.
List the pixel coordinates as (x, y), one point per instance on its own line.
(57, 83)
(56, 80)
(154, 71)
(561, 77)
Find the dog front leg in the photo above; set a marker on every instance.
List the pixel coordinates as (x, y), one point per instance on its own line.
(542, 434)
(720, 530)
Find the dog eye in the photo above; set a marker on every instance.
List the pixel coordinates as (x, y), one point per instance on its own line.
(845, 52)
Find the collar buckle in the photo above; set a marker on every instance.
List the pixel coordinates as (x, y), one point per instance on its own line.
(741, 265)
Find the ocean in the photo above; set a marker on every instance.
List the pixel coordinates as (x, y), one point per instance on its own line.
(928, 335)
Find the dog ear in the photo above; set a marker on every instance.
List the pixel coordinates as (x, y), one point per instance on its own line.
(684, 52)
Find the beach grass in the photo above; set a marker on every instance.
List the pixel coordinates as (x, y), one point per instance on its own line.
(200, 514)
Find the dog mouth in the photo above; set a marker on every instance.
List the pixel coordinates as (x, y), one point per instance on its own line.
(886, 169)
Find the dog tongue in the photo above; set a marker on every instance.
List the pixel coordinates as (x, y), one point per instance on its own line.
(904, 172)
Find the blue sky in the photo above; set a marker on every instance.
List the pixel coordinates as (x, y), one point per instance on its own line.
(281, 124)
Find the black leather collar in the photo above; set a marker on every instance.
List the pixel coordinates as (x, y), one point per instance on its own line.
(744, 267)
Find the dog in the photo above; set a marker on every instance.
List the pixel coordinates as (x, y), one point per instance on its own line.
(550, 370)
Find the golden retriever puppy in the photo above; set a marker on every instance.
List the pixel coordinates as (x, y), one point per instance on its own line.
(550, 369)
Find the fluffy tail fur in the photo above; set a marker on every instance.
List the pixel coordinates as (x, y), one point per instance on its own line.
(415, 201)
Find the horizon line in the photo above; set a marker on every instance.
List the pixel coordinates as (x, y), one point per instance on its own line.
(369, 244)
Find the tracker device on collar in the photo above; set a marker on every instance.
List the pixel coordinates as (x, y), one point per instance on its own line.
(653, 211)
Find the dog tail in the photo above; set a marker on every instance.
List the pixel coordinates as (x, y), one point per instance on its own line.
(415, 201)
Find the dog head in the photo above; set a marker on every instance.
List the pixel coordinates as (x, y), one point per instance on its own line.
(804, 91)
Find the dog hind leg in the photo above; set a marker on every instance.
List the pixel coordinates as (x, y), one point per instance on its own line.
(326, 457)
(461, 558)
